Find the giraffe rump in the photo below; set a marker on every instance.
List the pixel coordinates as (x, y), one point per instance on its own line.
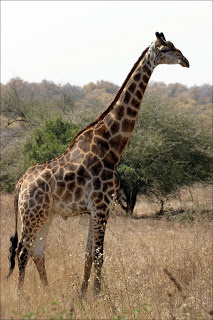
(12, 255)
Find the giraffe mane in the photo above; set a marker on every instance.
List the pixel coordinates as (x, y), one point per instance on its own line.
(109, 108)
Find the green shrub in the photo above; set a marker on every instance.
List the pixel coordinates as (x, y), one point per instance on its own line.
(49, 142)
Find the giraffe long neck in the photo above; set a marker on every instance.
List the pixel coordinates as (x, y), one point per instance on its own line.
(109, 134)
(121, 117)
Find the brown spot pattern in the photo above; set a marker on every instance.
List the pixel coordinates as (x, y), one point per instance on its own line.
(132, 87)
(131, 112)
(96, 169)
(110, 160)
(127, 97)
(115, 127)
(145, 79)
(137, 77)
(78, 193)
(102, 131)
(128, 125)
(142, 87)
(138, 94)
(135, 103)
(97, 184)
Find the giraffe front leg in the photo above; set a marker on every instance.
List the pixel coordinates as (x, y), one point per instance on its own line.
(88, 260)
(40, 265)
(99, 227)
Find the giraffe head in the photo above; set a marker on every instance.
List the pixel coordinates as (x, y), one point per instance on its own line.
(166, 53)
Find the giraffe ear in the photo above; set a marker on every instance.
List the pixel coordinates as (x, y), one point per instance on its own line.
(160, 37)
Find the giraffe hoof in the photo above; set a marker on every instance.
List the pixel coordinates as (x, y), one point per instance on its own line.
(19, 290)
(96, 291)
(82, 295)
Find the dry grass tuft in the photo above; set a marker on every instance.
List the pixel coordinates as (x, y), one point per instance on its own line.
(154, 269)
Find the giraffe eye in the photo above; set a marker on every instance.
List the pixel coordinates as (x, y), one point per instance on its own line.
(163, 50)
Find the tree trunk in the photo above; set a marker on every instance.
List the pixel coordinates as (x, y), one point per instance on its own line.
(131, 201)
(161, 211)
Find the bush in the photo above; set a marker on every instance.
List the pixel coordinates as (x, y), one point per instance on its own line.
(49, 142)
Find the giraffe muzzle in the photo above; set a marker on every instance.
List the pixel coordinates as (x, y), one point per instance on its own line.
(184, 63)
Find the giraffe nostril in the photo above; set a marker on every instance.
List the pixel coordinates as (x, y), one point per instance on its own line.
(187, 63)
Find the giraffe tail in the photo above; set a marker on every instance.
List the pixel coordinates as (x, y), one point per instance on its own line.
(14, 238)
(12, 254)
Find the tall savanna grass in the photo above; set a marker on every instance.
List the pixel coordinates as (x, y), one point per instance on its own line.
(153, 269)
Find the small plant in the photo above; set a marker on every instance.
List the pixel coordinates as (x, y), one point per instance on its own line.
(30, 315)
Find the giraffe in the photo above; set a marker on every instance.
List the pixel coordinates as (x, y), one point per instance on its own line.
(84, 179)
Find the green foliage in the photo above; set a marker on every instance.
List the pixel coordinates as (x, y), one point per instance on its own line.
(167, 150)
(49, 142)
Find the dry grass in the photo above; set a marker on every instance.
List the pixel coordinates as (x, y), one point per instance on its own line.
(153, 269)
(197, 199)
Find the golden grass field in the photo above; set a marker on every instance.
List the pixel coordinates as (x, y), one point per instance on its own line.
(153, 269)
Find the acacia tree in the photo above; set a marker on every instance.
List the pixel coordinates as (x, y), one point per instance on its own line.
(168, 150)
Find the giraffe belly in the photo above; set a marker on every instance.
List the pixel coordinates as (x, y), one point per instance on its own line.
(69, 198)
(69, 209)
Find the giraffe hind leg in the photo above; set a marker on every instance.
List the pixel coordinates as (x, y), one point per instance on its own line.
(38, 250)
(23, 256)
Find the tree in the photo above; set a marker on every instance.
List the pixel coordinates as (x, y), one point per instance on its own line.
(16, 106)
(49, 142)
(168, 150)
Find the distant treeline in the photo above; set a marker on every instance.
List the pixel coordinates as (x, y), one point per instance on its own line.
(94, 97)
(166, 109)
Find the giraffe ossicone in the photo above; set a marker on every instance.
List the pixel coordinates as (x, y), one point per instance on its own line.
(84, 179)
